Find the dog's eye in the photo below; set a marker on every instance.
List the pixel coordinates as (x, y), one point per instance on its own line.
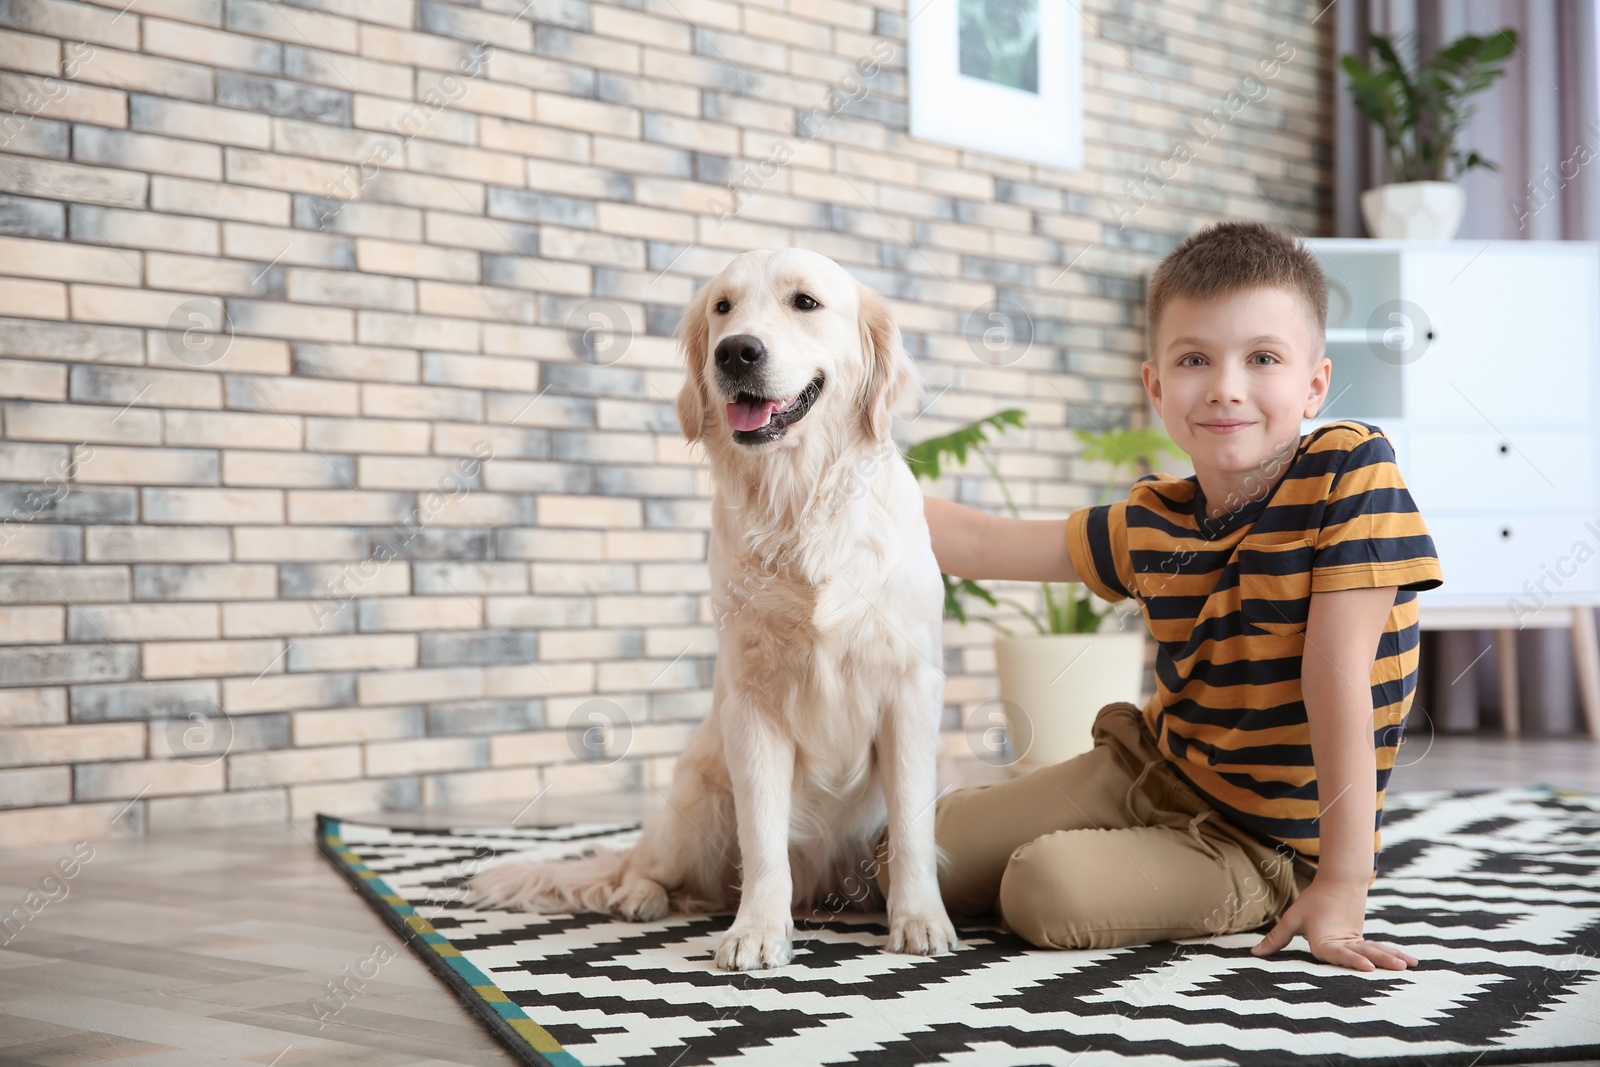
(804, 302)
(723, 307)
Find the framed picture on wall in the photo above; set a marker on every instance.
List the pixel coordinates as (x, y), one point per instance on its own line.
(999, 76)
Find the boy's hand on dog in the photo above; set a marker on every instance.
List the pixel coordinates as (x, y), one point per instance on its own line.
(1330, 915)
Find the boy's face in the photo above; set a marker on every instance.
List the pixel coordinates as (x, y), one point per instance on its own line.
(1232, 376)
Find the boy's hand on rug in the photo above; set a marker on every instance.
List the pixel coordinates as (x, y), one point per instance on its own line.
(1331, 916)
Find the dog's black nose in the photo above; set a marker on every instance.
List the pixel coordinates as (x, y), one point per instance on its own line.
(739, 354)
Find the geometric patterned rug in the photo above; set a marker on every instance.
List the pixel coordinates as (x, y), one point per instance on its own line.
(1496, 892)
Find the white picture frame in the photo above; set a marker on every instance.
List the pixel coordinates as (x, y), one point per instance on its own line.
(995, 113)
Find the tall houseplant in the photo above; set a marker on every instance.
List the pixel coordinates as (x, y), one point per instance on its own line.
(1421, 107)
(1045, 720)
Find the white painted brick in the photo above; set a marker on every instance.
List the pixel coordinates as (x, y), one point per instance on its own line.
(420, 401)
(145, 152)
(154, 778)
(41, 584)
(292, 24)
(182, 196)
(251, 770)
(195, 339)
(203, 506)
(283, 544)
(44, 98)
(538, 679)
(555, 510)
(422, 613)
(349, 725)
(35, 745)
(29, 787)
(304, 285)
(44, 625)
(277, 618)
(353, 652)
(33, 707)
(33, 381)
(416, 261)
(142, 622)
(34, 463)
(72, 181)
(390, 436)
(135, 73)
(41, 299)
(30, 52)
(65, 262)
(293, 396)
(275, 244)
(156, 544)
(284, 692)
(197, 659)
(179, 41)
(425, 331)
(109, 465)
(225, 429)
(427, 755)
(390, 687)
(200, 122)
(315, 506)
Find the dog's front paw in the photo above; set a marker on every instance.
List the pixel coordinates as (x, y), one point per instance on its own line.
(926, 934)
(638, 900)
(755, 946)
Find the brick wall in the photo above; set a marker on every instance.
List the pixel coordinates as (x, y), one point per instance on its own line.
(317, 490)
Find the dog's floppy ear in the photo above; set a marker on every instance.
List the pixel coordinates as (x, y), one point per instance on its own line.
(694, 333)
(891, 377)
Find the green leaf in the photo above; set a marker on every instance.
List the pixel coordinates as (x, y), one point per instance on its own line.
(926, 458)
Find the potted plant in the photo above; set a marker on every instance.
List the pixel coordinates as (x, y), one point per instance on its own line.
(1052, 681)
(1421, 108)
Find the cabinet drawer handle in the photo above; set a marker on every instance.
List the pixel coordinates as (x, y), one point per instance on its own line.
(1505, 532)
(1505, 449)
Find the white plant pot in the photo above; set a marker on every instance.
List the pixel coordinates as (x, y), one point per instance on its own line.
(1052, 686)
(1414, 211)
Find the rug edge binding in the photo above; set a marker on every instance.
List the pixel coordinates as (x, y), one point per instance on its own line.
(486, 1015)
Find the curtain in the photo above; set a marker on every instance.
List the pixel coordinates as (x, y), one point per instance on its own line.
(1540, 123)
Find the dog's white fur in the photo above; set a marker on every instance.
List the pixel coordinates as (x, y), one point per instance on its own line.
(824, 718)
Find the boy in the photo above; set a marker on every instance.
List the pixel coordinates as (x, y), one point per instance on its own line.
(1279, 583)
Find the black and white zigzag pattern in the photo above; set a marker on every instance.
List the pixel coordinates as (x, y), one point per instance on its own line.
(1496, 893)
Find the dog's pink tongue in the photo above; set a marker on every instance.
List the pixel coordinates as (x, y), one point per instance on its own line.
(747, 415)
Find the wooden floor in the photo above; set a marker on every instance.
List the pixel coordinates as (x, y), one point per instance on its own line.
(208, 949)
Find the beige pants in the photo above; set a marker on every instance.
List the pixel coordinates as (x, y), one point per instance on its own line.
(1108, 848)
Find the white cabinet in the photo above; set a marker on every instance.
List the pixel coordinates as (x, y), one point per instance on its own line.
(1481, 361)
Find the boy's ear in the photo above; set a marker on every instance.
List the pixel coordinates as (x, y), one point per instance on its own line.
(1152, 383)
(1321, 381)
(891, 377)
(694, 333)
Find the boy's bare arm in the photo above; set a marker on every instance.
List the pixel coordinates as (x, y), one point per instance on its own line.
(975, 544)
(1342, 633)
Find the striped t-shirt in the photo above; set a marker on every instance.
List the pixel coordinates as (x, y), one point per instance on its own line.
(1226, 600)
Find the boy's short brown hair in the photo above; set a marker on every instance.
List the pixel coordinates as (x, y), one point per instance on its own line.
(1231, 257)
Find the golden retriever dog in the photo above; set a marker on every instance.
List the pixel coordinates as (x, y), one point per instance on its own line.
(823, 731)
